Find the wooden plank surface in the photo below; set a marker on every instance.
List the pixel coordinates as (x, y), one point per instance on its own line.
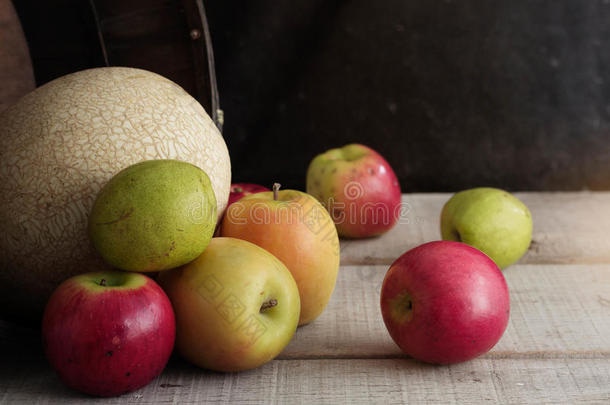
(556, 311)
(568, 228)
(354, 381)
(556, 348)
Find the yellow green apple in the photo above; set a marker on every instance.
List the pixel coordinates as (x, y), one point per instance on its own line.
(237, 306)
(297, 229)
(492, 220)
(154, 215)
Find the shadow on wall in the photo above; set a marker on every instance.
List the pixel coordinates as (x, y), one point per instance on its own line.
(455, 94)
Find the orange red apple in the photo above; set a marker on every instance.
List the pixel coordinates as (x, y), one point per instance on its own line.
(297, 229)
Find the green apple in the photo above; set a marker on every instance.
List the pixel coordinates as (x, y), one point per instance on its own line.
(154, 215)
(237, 306)
(491, 220)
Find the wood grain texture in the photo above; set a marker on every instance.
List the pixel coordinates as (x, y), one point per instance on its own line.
(556, 348)
(569, 227)
(557, 311)
(344, 381)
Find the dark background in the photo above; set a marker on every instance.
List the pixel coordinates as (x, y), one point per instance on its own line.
(455, 94)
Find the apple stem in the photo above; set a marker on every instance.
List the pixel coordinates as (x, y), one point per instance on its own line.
(268, 304)
(103, 282)
(276, 189)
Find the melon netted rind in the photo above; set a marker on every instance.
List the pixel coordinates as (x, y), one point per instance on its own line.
(60, 144)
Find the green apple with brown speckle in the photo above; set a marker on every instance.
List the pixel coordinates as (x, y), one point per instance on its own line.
(154, 215)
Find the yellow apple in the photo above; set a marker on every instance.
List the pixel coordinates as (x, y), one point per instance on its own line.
(237, 306)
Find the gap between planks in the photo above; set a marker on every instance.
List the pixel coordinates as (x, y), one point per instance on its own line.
(493, 355)
(569, 228)
(344, 381)
(557, 312)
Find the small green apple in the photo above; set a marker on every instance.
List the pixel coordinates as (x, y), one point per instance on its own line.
(491, 220)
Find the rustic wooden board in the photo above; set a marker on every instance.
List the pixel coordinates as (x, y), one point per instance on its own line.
(329, 381)
(569, 227)
(556, 311)
(556, 348)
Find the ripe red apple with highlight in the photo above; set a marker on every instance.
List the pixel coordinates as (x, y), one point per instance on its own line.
(108, 333)
(445, 302)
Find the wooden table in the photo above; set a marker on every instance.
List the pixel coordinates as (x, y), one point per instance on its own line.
(556, 348)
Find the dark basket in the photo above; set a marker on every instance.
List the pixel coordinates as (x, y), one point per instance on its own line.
(171, 38)
(168, 37)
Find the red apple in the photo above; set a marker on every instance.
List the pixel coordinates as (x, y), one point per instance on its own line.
(239, 190)
(108, 333)
(445, 302)
(359, 189)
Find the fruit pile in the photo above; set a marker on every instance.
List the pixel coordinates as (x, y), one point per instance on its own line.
(228, 288)
(228, 303)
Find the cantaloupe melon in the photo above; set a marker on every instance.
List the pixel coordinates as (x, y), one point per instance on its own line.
(60, 144)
